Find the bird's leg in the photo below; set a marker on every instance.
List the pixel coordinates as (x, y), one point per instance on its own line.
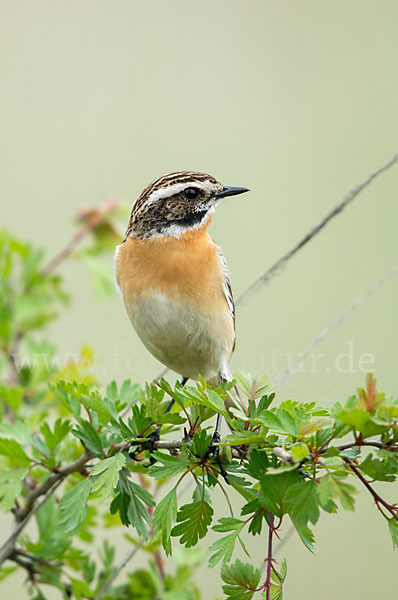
(215, 450)
(216, 439)
(155, 435)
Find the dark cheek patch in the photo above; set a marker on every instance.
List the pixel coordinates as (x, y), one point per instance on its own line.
(190, 219)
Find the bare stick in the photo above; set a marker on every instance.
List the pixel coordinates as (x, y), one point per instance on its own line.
(273, 270)
(47, 488)
(93, 218)
(70, 247)
(7, 546)
(107, 584)
(332, 325)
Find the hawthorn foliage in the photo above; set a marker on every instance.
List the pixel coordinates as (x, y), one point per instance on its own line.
(78, 459)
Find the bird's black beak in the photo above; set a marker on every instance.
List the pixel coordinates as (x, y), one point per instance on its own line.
(229, 190)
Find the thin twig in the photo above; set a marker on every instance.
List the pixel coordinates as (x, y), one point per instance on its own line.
(46, 489)
(332, 325)
(107, 584)
(267, 584)
(32, 557)
(7, 546)
(70, 247)
(281, 262)
(74, 467)
(378, 499)
(361, 443)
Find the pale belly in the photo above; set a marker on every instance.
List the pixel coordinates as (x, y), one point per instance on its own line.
(188, 341)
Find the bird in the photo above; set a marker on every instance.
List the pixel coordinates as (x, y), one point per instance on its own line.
(174, 280)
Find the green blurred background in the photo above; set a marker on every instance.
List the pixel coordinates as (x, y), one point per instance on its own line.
(295, 100)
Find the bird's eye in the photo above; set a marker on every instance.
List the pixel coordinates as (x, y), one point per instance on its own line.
(191, 193)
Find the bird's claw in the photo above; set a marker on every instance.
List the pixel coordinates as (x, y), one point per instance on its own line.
(214, 450)
(149, 444)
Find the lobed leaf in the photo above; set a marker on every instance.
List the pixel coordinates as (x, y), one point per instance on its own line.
(194, 520)
(73, 506)
(164, 516)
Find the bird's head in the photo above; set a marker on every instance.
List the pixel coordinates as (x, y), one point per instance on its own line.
(177, 203)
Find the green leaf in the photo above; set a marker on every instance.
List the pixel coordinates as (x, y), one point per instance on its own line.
(239, 438)
(258, 463)
(224, 547)
(177, 394)
(357, 419)
(305, 534)
(53, 438)
(215, 401)
(393, 527)
(14, 452)
(253, 386)
(94, 401)
(105, 475)
(242, 579)
(140, 421)
(274, 490)
(137, 512)
(206, 397)
(228, 524)
(281, 421)
(128, 392)
(333, 486)
(200, 443)
(303, 502)
(81, 589)
(164, 516)
(132, 502)
(170, 419)
(171, 465)
(18, 431)
(299, 451)
(194, 520)
(6, 571)
(378, 469)
(13, 396)
(73, 506)
(90, 438)
(10, 487)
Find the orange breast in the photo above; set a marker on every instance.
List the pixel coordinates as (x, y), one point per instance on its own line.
(174, 292)
(188, 267)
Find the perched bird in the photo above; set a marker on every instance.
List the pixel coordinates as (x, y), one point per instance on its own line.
(173, 277)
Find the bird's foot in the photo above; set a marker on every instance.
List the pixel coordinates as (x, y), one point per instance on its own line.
(214, 450)
(149, 444)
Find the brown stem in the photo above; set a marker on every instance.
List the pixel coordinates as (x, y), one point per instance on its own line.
(46, 489)
(74, 467)
(26, 564)
(7, 547)
(69, 248)
(378, 499)
(267, 584)
(159, 564)
(32, 557)
(374, 444)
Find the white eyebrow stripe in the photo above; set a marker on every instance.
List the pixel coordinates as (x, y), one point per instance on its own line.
(167, 192)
